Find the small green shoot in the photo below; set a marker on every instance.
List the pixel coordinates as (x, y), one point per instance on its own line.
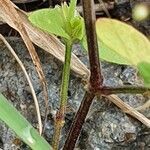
(63, 21)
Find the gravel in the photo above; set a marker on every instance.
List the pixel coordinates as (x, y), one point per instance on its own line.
(106, 126)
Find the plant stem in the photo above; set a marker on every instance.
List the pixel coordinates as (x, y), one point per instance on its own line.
(59, 122)
(124, 89)
(96, 79)
(78, 121)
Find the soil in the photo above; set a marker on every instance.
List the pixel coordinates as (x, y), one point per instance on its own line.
(106, 126)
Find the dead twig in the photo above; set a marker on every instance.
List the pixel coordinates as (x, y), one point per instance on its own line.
(9, 14)
(98, 7)
(128, 109)
(23, 1)
(104, 7)
(28, 79)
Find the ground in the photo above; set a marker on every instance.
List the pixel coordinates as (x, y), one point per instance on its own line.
(106, 126)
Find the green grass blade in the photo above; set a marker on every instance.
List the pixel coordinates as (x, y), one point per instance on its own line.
(21, 126)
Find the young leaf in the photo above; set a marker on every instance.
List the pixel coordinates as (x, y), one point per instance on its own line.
(122, 41)
(50, 21)
(62, 21)
(77, 25)
(72, 9)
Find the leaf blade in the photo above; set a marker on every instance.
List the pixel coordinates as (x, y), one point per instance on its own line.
(123, 39)
(49, 20)
(129, 45)
(21, 126)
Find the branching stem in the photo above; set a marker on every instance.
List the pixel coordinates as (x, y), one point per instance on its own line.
(124, 90)
(96, 79)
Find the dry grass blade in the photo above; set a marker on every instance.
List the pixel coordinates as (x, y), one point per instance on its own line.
(49, 43)
(9, 14)
(28, 79)
(128, 109)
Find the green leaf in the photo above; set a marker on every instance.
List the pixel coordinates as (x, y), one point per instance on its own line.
(123, 40)
(106, 53)
(122, 44)
(62, 21)
(50, 20)
(111, 56)
(77, 25)
(64, 11)
(21, 126)
(144, 70)
(72, 9)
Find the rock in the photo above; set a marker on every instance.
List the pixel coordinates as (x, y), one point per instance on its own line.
(106, 127)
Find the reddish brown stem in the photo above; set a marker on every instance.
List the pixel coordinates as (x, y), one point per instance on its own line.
(123, 89)
(96, 78)
(78, 121)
